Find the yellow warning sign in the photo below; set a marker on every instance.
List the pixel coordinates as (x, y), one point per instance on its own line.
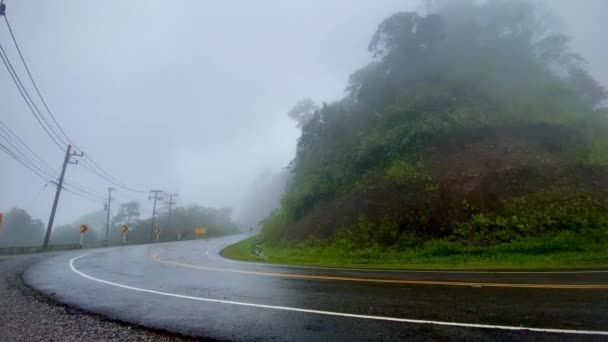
(200, 231)
(83, 228)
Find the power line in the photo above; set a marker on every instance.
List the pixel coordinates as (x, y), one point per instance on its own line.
(18, 153)
(95, 171)
(23, 159)
(92, 166)
(25, 97)
(15, 136)
(82, 190)
(44, 174)
(38, 164)
(30, 202)
(10, 29)
(103, 174)
(18, 150)
(16, 158)
(82, 196)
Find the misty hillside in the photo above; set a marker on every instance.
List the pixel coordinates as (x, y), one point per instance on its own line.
(474, 123)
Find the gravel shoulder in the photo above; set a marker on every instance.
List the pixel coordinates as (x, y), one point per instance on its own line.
(26, 315)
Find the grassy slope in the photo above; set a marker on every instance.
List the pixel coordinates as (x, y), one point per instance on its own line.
(489, 159)
(563, 251)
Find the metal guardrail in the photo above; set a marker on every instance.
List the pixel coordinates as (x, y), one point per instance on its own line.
(36, 249)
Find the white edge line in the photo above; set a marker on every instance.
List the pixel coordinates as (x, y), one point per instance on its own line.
(331, 313)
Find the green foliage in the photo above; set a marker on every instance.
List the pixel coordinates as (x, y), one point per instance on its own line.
(598, 151)
(127, 213)
(242, 250)
(436, 81)
(481, 229)
(20, 229)
(563, 249)
(565, 241)
(404, 172)
(547, 211)
(439, 248)
(274, 226)
(217, 221)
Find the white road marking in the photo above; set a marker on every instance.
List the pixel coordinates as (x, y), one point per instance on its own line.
(329, 313)
(209, 255)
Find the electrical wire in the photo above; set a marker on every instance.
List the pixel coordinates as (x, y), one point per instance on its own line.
(27, 69)
(82, 190)
(16, 158)
(16, 137)
(25, 97)
(35, 198)
(19, 152)
(95, 171)
(81, 195)
(92, 167)
(38, 164)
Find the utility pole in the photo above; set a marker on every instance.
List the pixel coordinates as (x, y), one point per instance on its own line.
(170, 203)
(429, 6)
(66, 161)
(110, 189)
(155, 197)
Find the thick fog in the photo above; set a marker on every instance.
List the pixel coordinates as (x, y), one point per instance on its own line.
(191, 96)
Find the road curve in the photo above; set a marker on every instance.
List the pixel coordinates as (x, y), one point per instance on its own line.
(186, 287)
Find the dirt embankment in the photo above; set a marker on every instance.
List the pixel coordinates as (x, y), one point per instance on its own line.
(469, 173)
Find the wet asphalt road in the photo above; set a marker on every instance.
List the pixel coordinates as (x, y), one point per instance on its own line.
(188, 288)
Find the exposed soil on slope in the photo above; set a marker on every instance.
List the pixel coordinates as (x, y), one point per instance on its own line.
(475, 171)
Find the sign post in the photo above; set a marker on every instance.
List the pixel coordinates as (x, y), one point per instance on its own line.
(157, 233)
(124, 229)
(83, 229)
(179, 234)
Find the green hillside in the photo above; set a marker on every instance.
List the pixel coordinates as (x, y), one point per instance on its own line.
(473, 127)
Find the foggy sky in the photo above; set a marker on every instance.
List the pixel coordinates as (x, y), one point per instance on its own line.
(190, 96)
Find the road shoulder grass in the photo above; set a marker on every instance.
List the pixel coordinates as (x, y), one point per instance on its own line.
(563, 251)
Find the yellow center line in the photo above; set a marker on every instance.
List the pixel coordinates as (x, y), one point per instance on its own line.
(156, 257)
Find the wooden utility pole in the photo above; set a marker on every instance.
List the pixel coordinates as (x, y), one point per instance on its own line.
(66, 161)
(429, 7)
(170, 203)
(107, 241)
(155, 197)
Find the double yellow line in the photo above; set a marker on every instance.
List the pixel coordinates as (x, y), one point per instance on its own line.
(156, 257)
